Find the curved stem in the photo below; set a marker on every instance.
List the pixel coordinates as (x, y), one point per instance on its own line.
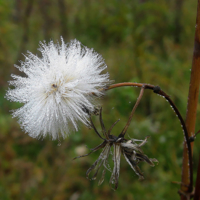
(157, 90)
(147, 86)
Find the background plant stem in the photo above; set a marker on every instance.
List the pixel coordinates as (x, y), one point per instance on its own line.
(197, 186)
(192, 104)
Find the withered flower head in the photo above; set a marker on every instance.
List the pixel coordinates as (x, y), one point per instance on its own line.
(129, 148)
(134, 154)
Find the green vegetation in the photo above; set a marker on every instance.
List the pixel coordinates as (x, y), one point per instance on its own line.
(141, 41)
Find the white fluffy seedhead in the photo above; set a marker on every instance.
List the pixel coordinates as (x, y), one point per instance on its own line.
(57, 88)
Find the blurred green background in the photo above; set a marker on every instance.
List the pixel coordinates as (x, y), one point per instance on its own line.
(141, 41)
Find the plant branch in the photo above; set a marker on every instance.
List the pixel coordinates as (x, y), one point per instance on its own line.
(157, 90)
(133, 110)
(92, 125)
(192, 101)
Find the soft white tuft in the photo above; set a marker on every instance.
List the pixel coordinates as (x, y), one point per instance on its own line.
(57, 89)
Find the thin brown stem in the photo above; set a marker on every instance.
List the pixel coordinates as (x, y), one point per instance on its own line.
(92, 125)
(158, 91)
(147, 86)
(109, 131)
(133, 110)
(102, 124)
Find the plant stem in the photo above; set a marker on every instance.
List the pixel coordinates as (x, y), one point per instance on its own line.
(188, 152)
(133, 110)
(148, 86)
(197, 186)
(192, 102)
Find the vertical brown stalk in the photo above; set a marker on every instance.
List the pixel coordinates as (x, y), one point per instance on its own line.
(192, 105)
(197, 186)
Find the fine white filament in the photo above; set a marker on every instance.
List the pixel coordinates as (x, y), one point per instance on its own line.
(57, 89)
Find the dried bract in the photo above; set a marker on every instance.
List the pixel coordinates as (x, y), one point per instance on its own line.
(129, 148)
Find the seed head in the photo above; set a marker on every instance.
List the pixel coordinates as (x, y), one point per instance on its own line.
(57, 87)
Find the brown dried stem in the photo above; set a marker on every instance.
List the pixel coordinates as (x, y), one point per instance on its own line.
(157, 90)
(192, 103)
(133, 110)
(197, 186)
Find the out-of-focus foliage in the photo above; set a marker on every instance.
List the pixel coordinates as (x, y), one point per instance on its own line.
(141, 41)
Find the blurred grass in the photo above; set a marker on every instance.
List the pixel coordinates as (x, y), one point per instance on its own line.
(138, 41)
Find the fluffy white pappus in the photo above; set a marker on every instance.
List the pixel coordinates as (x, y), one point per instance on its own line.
(58, 88)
